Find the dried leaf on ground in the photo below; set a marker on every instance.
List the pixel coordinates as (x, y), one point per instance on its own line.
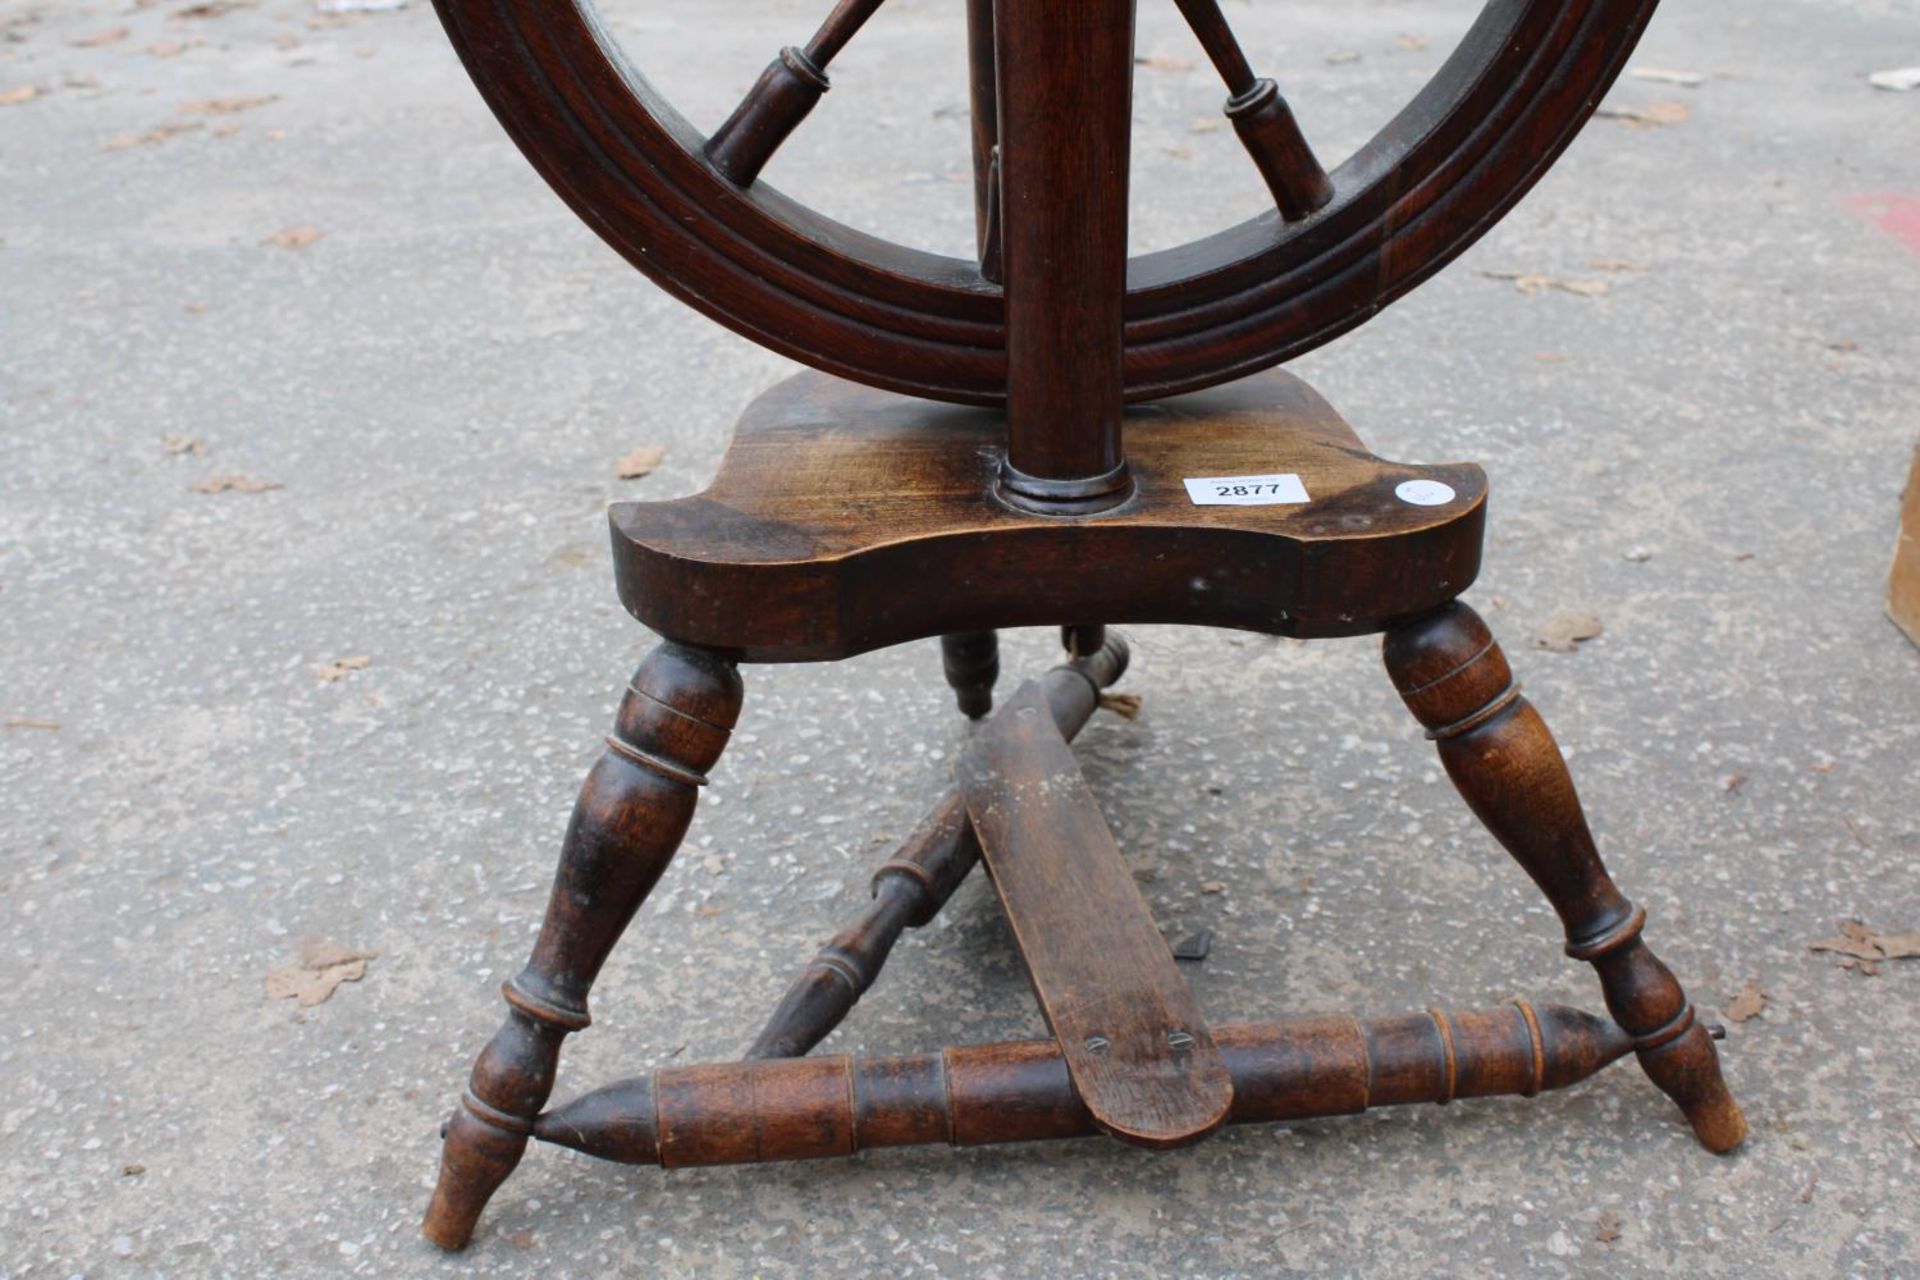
(238, 484)
(25, 93)
(212, 8)
(1536, 282)
(28, 722)
(1666, 75)
(340, 667)
(1207, 124)
(1124, 705)
(180, 442)
(112, 35)
(152, 137)
(1654, 115)
(522, 1239)
(293, 237)
(642, 461)
(1563, 632)
(1748, 1004)
(322, 967)
(1863, 949)
(1606, 1228)
(1896, 80)
(227, 106)
(1164, 62)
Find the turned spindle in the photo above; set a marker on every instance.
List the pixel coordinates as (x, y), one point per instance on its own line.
(913, 885)
(631, 815)
(1505, 763)
(810, 1108)
(790, 88)
(971, 660)
(1262, 118)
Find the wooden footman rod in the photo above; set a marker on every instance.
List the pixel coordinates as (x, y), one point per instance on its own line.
(809, 1108)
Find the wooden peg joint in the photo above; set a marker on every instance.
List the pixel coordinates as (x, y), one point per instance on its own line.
(1265, 123)
(913, 885)
(786, 92)
(491, 1115)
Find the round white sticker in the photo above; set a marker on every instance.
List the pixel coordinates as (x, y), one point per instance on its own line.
(1424, 493)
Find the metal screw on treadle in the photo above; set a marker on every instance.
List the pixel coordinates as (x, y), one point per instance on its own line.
(1098, 1044)
(1180, 1041)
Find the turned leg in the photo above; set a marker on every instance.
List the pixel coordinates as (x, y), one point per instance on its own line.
(972, 663)
(1506, 764)
(1083, 640)
(633, 811)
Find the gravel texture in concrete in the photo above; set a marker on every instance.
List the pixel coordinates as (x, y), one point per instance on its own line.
(241, 239)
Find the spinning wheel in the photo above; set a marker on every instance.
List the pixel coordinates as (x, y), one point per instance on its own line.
(693, 215)
(1097, 463)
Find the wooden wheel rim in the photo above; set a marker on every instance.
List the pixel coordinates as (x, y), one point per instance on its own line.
(1501, 109)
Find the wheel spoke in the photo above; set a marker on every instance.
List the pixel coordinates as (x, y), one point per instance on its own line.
(783, 95)
(983, 101)
(990, 259)
(1262, 118)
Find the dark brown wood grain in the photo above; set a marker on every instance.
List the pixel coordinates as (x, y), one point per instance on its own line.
(1501, 756)
(802, 1109)
(1262, 118)
(982, 91)
(1065, 111)
(844, 519)
(782, 97)
(971, 663)
(1135, 1043)
(914, 883)
(672, 724)
(1442, 171)
(1264, 121)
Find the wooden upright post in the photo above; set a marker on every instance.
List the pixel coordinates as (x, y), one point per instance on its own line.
(1065, 115)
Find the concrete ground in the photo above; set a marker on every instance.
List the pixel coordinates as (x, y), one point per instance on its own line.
(1707, 456)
